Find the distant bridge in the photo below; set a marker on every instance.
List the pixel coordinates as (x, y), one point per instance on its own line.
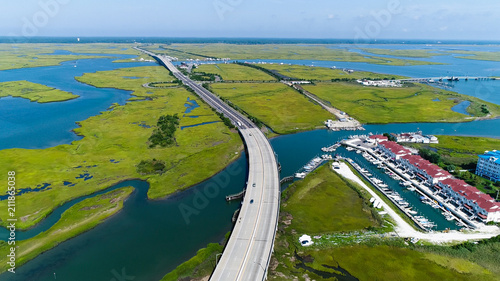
(447, 78)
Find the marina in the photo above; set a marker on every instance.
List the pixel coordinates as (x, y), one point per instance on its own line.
(312, 165)
(409, 183)
(422, 222)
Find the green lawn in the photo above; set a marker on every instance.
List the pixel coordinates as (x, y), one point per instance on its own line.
(398, 105)
(323, 202)
(235, 72)
(280, 107)
(283, 52)
(303, 72)
(34, 92)
(116, 141)
(83, 216)
(404, 53)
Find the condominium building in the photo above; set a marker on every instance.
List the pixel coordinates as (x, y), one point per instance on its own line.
(466, 197)
(488, 165)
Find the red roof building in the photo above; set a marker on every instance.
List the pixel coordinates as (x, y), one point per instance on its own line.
(468, 196)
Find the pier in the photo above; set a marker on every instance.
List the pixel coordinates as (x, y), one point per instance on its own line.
(286, 179)
(419, 188)
(238, 195)
(401, 208)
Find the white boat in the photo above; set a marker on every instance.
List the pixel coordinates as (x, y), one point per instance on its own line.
(300, 175)
(349, 148)
(412, 212)
(402, 203)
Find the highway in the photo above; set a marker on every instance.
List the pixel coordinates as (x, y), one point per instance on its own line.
(250, 246)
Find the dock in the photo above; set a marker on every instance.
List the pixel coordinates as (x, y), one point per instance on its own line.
(236, 196)
(286, 179)
(401, 208)
(419, 189)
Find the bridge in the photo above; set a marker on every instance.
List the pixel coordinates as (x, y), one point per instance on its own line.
(447, 78)
(249, 248)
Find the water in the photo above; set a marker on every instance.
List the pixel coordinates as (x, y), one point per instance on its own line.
(462, 107)
(147, 238)
(413, 198)
(200, 124)
(26, 124)
(190, 105)
(157, 228)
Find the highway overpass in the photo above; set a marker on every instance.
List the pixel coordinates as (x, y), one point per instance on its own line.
(248, 251)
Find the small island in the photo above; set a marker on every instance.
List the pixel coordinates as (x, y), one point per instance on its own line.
(34, 92)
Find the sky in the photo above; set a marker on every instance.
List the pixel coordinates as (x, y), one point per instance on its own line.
(335, 19)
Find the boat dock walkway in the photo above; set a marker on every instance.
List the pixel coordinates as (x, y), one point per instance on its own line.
(238, 195)
(422, 190)
(401, 208)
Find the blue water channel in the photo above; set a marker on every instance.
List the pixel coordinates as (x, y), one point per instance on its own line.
(26, 124)
(149, 238)
(159, 230)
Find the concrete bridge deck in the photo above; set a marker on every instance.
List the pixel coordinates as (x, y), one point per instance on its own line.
(250, 246)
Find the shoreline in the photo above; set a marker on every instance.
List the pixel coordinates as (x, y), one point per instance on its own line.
(99, 222)
(104, 190)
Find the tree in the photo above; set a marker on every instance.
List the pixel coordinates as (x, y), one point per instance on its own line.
(430, 155)
(390, 137)
(451, 168)
(163, 135)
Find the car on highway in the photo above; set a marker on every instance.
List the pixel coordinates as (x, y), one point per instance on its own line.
(251, 201)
